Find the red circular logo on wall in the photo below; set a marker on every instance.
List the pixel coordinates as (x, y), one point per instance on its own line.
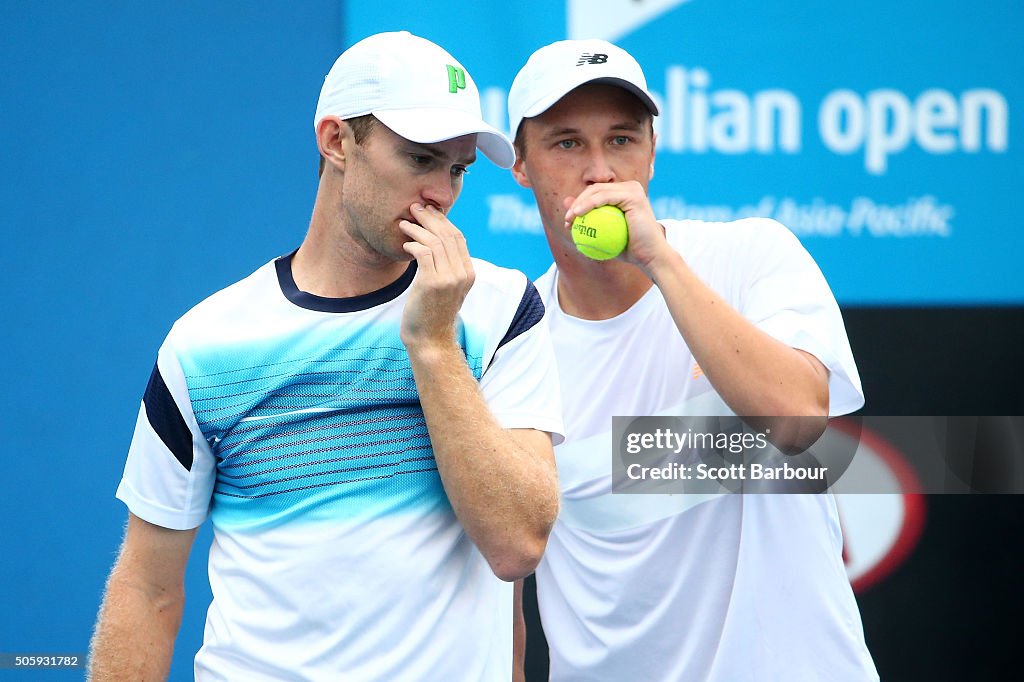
(880, 529)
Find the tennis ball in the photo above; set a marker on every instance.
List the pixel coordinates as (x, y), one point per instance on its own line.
(601, 234)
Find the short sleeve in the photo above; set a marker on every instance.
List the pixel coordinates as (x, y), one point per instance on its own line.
(787, 297)
(521, 382)
(170, 471)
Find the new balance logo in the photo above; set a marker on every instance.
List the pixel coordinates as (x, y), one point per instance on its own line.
(587, 58)
(456, 78)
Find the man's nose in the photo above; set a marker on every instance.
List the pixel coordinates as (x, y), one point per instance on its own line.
(439, 192)
(598, 169)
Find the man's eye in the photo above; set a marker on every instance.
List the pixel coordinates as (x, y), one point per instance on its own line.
(459, 171)
(620, 140)
(419, 159)
(567, 144)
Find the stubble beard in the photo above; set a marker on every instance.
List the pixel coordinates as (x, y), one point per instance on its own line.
(376, 237)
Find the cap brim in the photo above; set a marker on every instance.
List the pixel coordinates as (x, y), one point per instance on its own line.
(546, 103)
(436, 125)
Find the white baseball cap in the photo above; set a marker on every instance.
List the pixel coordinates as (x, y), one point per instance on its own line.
(555, 70)
(413, 87)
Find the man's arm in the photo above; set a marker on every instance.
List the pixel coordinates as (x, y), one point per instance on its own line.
(518, 634)
(501, 483)
(142, 607)
(756, 374)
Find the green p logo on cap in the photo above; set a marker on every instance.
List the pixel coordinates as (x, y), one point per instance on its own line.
(456, 79)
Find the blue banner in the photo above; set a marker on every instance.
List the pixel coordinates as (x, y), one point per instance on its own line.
(881, 134)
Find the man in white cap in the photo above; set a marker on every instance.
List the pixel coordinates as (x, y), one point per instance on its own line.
(692, 318)
(367, 421)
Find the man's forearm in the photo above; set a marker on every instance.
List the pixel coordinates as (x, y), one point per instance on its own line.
(502, 486)
(134, 638)
(756, 374)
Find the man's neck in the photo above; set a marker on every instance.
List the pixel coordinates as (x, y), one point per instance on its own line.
(593, 290)
(330, 263)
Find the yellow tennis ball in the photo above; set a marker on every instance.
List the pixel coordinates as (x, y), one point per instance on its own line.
(601, 234)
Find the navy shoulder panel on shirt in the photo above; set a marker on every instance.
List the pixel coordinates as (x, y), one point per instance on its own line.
(529, 313)
(166, 419)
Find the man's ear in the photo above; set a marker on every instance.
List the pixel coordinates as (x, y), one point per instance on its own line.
(519, 173)
(331, 137)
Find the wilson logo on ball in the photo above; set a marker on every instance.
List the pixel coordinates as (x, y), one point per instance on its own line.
(601, 234)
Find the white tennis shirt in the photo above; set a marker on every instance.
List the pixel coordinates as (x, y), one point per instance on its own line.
(293, 421)
(722, 588)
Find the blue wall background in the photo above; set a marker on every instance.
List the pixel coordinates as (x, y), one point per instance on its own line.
(153, 153)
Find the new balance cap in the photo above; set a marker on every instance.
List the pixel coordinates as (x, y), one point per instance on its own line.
(555, 70)
(415, 88)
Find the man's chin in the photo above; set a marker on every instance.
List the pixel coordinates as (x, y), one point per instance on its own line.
(397, 256)
(387, 254)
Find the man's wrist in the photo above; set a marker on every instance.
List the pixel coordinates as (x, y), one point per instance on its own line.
(433, 351)
(665, 266)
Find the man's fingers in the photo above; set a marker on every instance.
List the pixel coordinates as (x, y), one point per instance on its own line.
(438, 233)
(625, 195)
(445, 259)
(437, 223)
(423, 255)
(424, 242)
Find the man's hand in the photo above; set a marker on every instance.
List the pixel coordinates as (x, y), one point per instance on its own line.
(754, 373)
(646, 236)
(444, 276)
